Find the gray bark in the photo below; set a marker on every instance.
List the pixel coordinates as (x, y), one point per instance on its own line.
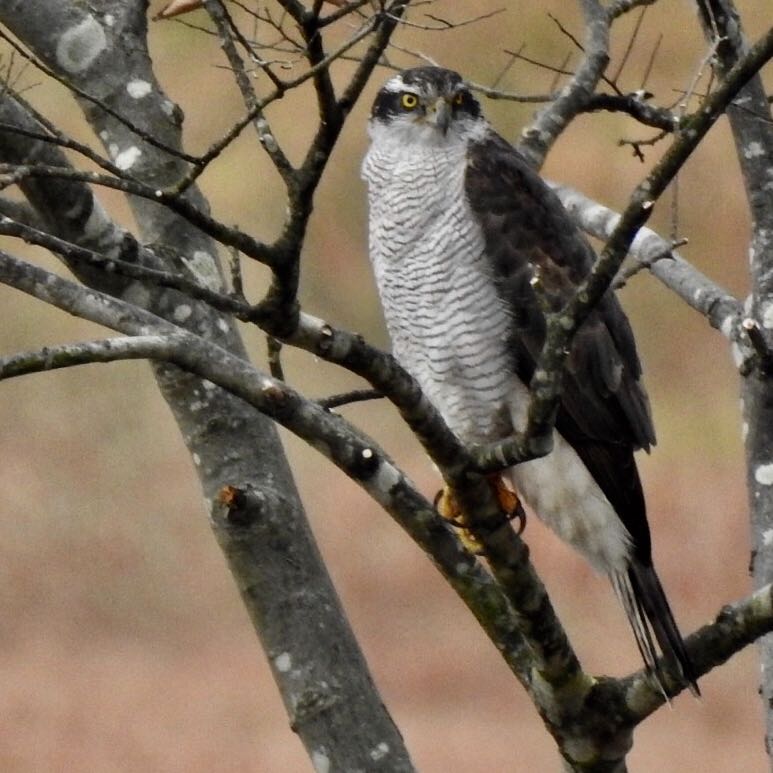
(752, 127)
(328, 691)
(220, 400)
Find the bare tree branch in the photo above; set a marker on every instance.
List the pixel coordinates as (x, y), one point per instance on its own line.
(172, 309)
(538, 138)
(252, 458)
(635, 105)
(239, 508)
(96, 101)
(546, 383)
(752, 128)
(736, 626)
(721, 309)
(141, 347)
(268, 140)
(357, 455)
(227, 235)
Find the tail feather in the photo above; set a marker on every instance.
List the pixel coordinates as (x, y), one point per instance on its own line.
(649, 614)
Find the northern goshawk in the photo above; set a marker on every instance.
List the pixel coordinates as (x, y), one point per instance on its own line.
(460, 225)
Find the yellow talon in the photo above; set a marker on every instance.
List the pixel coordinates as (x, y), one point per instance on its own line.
(448, 508)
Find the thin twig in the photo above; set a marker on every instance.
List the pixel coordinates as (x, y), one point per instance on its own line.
(226, 235)
(627, 273)
(537, 63)
(573, 38)
(651, 61)
(275, 358)
(141, 133)
(347, 398)
(557, 77)
(344, 10)
(225, 27)
(629, 46)
(637, 145)
(235, 131)
(507, 67)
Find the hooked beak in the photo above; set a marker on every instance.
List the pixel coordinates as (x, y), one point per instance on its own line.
(439, 114)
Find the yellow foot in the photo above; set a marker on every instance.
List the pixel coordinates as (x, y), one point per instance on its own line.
(509, 501)
(448, 508)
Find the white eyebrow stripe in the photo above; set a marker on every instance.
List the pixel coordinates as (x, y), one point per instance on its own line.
(394, 85)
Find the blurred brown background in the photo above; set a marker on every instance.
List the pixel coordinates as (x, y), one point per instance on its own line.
(123, 644)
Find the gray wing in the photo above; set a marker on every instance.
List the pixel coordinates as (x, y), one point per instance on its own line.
(604, 412)
(527, 229)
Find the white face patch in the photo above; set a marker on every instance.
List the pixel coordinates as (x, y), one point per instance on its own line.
(396, 85)
(403, 133)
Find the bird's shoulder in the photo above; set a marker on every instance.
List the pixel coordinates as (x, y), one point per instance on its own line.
(522, 217)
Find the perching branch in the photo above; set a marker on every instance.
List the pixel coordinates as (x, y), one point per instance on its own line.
(367, 464)
(348, 448)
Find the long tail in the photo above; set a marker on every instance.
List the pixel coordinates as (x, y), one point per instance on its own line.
(649, 614)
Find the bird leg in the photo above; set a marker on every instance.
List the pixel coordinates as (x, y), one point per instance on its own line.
(448, 508)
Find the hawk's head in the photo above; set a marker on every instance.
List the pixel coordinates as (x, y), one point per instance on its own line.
(426, 104)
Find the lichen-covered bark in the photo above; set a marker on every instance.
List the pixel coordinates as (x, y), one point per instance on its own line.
(220, 399)
(752, 127)
(100, 49)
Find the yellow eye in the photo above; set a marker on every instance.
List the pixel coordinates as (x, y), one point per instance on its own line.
(409, 101)
(459, 99)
